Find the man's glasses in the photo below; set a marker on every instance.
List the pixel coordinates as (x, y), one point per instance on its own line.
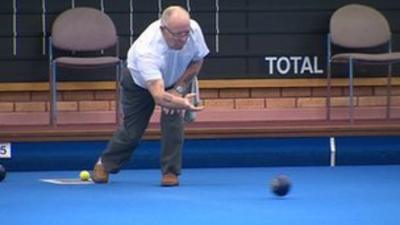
(177, 34)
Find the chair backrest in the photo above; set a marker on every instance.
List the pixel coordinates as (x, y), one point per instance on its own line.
(359, 26)
(83, 29)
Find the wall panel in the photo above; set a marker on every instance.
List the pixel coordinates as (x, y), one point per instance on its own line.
(240, 33)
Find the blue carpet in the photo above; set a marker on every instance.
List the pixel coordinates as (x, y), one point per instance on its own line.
(344, 195)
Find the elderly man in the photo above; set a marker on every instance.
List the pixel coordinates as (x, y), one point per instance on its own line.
(162, 63)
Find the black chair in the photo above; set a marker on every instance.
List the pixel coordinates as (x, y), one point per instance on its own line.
(356, 27)
(85, 30)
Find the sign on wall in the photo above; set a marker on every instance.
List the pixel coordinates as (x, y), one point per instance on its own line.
(293, 65)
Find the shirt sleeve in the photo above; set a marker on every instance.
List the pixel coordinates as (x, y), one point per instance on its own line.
(202, 49)
(148, 67)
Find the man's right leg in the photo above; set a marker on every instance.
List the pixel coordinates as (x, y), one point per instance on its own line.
(137, 105)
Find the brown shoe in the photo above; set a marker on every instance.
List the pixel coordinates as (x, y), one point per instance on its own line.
(169, 180)
(99, 174)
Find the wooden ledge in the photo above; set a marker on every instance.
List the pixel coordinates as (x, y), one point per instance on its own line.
(279, 83)
(205, 84)
(34, 126)
(206, 130)
(64, 86)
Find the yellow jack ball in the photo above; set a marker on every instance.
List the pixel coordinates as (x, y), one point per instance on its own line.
(84, 175)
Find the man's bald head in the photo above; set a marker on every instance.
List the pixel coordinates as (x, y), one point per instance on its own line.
(174, 16)
(175, 24)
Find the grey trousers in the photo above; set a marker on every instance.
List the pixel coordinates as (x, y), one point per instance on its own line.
(138, 106)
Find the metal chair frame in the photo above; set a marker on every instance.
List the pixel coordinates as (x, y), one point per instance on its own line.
(351, 63)
(53, 114)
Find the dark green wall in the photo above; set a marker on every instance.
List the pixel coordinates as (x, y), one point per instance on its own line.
(249, 30)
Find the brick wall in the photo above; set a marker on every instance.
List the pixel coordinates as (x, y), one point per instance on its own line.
(37, 101)
(267, 98)
(213, 98)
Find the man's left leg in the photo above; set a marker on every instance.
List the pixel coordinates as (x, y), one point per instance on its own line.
(172, 138)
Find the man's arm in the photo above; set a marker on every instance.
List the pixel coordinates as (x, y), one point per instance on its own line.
(165, 99)
(192, 70)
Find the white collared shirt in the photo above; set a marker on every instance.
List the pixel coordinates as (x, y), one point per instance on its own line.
(150, 57)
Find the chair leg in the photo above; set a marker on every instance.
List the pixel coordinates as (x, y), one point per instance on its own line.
(389, 92)
(53, 95)
(351, 91)
(328, 92)
(118, 93)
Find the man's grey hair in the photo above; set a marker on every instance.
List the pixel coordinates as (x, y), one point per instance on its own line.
(168, 12)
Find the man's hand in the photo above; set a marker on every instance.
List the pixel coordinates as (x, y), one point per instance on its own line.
(188, 101)
(171, 111)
